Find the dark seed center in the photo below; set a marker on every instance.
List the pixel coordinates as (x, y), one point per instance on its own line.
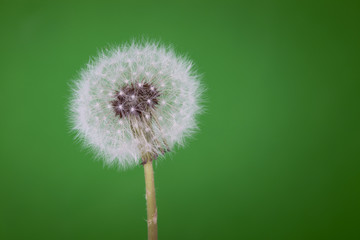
(135, 99)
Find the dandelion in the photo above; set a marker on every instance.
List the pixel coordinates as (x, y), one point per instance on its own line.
(132, 105)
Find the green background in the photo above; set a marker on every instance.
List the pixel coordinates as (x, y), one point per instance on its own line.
(277, 156)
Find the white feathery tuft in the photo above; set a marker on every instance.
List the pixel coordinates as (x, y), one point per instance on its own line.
(167, 119)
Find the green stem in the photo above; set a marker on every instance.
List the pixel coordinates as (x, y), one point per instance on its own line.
(150, 201)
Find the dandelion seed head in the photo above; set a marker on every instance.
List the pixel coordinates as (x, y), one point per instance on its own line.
(133, 99)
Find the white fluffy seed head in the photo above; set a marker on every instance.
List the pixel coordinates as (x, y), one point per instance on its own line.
(135, 99)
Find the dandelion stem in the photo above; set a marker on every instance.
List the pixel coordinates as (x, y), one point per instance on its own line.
(150, 200)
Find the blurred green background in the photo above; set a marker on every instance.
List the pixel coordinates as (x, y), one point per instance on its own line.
(277, 156)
